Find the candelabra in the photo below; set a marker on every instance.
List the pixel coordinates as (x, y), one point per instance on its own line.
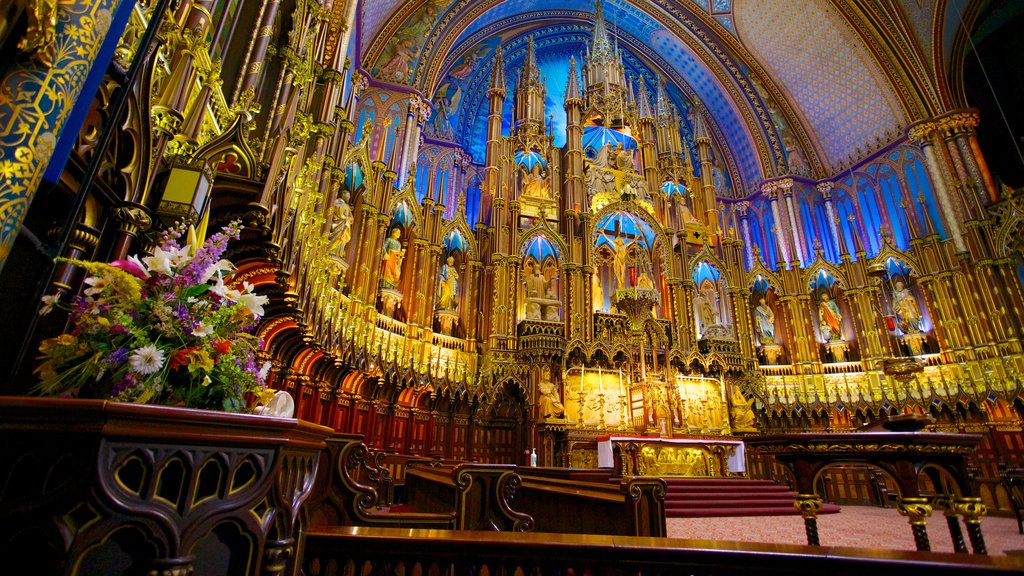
(582, 397)
(600, 411)
(622, 418)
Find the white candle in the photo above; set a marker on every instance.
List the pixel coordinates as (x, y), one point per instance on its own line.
(600, 382)
(622, 391)
(583, 376)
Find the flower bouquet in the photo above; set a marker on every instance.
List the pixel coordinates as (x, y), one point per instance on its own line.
(164, 329)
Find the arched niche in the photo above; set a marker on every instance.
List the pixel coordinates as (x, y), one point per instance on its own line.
(833, 325)
(540, 291)
(766, 320)
(626, 255)
(452, 277)
(396, 270)
(906, 316)
(711, 302)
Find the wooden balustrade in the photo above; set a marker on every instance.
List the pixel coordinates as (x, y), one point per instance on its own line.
(347, 550)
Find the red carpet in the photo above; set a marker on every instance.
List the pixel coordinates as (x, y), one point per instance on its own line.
(709, 497)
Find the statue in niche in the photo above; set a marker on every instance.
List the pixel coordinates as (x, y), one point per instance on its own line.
(908, 313)
(392, 260)
(619, 262)
(536, 284)
(536, 291)
(599, 177)
(341, 227)
(552, 304)
(831, 319)
(707, 306)
(764, 319)
(535, 185)
(597, 292)
(448, 286)
(742, 413)
(549, 405)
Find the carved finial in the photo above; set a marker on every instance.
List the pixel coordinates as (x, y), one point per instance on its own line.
(497, 85)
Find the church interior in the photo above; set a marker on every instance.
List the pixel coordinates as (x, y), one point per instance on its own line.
(518, 267)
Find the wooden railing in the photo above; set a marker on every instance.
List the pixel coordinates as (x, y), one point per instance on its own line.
(349, 550)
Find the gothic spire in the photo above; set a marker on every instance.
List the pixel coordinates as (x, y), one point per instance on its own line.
(600, 47)
(531, 73)
(572, 88)
(644, 105)
(662, 101)
(497, 85)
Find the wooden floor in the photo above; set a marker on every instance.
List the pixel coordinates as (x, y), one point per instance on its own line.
(855, 526)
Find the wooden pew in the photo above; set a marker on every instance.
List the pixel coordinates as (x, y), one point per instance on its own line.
(479, 494)
(560, 500)
(571, 501)
(347, 490)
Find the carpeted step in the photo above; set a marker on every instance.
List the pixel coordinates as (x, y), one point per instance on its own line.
(749, 511)
(716, 497)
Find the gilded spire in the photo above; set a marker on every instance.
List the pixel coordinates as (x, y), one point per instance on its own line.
(531, 73)
(572, 88)
(662, 102)
(497, 85)
(600, 46)
(644, 105)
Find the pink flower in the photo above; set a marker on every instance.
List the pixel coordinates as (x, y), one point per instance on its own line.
(131, 267)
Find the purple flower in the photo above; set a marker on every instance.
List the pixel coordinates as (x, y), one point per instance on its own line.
(118, 356)
(126, 383)
(118, 329)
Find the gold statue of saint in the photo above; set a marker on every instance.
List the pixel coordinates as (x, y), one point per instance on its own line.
(742, 414)
(549, 405)
(535, 185)
(448, 286)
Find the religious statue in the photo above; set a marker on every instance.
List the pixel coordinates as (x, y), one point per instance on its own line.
(535, 185)
(599, 177)
(707, 307)
(619, 262)
(644, 281)
(697, 416)
(621, 158)
(764, 321)
(741, 412)
(536, 284)
(448, 286)
(392, 260)
(341, 227)
(597, 292)
(603, 158)
(908, 313)
(549, 405)
(831, 319)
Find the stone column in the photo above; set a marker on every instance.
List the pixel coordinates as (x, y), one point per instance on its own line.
(771, 191)
(926, 136)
